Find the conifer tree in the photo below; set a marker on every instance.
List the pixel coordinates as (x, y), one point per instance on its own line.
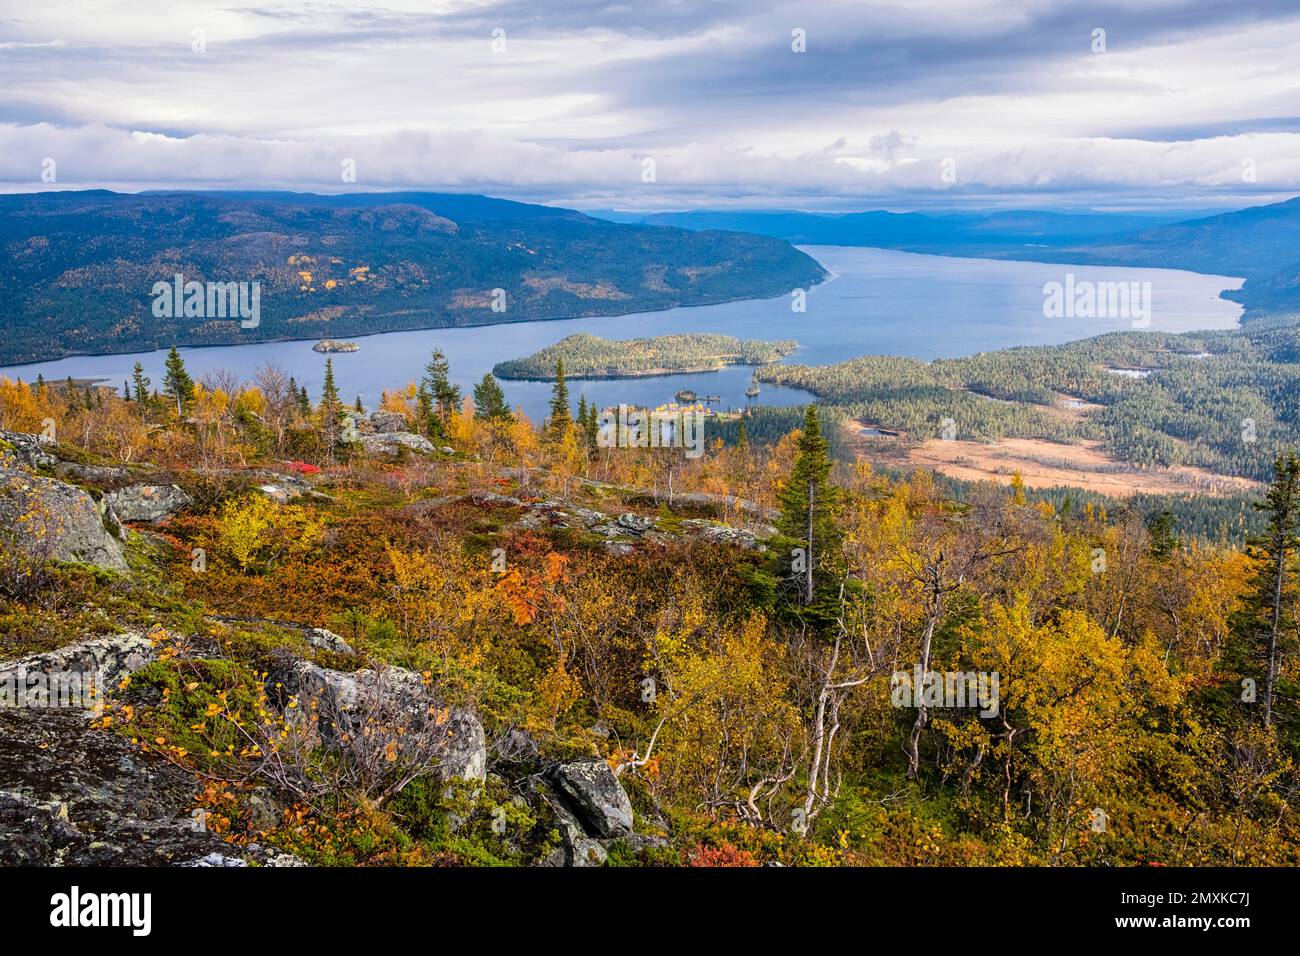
(177, 384)
(141, 382)
(561, 417)
(443, 395)
(807, 518)
(490, 400)
(1273, 619)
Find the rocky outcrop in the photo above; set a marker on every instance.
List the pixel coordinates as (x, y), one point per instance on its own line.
(281, 488)
(94, 474)
(591, 811)
(106, 659)
(20, 448)
(54, 519)
(594, 793)
(147, 502)
(327, 641)
(73, 796)
(344, 702)
(388, 422)
(388, 444)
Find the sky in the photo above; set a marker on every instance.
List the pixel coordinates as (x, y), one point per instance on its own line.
(1151, 105)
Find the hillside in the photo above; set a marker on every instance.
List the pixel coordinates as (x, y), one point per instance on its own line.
(432, 638)
(80, 267)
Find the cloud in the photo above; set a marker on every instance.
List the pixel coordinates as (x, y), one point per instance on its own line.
(1186, 97)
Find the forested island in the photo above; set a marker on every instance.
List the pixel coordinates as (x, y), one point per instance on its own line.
(590, 356)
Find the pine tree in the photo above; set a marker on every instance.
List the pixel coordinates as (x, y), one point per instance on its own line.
(358, 406)
(141, 382)
(430, 423)
(445, 395)
(1274, 596)
(490, 401)
(329, 396)
(807, 519)
(177, 384)
(591, 426)
(561, 417)
(329, 411)
(126, 390)
(742, 437)
(304, 402)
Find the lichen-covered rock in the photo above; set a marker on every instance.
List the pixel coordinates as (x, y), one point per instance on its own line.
(637, 524)
(147, 502)
(595, 796)
(23, 449)
(342, 701)
(73, 796)
(328, 641)
(106, 659)
(95, 474)
(387, 422)
(385, 444)
(55, 519)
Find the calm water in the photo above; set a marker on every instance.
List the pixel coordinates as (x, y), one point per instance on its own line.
(877, 302)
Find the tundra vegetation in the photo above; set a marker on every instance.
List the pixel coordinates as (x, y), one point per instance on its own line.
(727, 644)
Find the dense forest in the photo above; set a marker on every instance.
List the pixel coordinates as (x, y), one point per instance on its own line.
(589, 356)
(1218, 400)
(736, 639)
(81, 267)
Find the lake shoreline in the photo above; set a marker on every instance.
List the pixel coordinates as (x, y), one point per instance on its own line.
(871, 302)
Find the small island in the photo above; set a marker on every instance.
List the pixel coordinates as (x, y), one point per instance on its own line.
(589, 356)
(334, 345)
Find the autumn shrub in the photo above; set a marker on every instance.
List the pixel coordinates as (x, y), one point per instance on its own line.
(723, 854)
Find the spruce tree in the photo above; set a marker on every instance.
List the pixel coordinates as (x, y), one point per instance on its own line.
(445, 395)
(807, 521)
(141, 382)
(1273, 619)
(329, 396)
(177, 384)
(490, 400)
(560, 416)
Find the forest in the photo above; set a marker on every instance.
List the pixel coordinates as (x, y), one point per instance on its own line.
(1218, 400)
(589, 356)
(80, 266)
(741, 646)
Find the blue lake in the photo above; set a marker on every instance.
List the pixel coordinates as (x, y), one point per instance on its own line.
(876, 302)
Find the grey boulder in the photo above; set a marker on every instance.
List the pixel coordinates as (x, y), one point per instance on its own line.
(49, 517)
(147, 502)
(595, 796)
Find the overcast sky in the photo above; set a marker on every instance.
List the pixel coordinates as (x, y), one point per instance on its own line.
(914, 104)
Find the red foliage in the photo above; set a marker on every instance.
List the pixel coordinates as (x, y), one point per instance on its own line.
(722, 855)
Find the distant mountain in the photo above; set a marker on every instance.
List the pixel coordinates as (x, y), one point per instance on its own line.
(1260, 244)
(951, 233)
(78, 269)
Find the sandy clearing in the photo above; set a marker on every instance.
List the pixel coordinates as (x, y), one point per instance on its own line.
(1045, 464)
